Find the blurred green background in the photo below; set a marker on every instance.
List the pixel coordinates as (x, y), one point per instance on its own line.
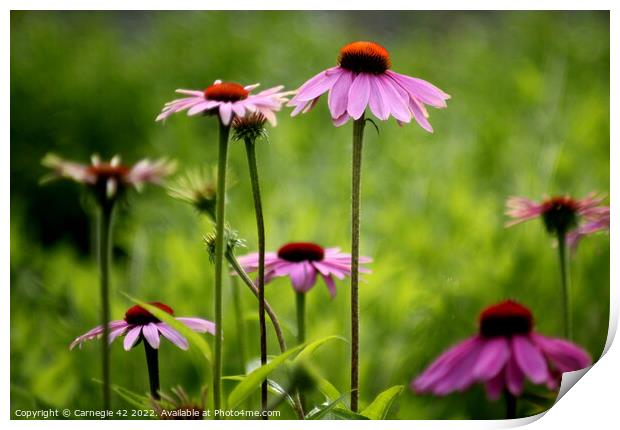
(529, 115)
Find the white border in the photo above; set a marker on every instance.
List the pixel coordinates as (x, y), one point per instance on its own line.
(592, 403)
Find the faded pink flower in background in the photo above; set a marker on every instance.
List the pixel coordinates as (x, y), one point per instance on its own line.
(228, 100)
(109, 176)
(363, 79)
(502, 355)
(140, 324)
(562, 214)
(302, 262)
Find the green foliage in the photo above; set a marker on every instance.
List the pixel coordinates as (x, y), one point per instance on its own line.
(529, 115)
(380, 406)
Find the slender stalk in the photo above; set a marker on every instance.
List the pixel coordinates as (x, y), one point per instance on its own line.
(300, 301)
(301, 317)
(220, 214)
(356, 179)
(566, 302)
(240, 325)
(232, 260)
(105, 256)
(511, 405)
(152, 363)
(260, 228)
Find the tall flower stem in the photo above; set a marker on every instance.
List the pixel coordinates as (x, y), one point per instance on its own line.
(301, 317)
(152, 364)
(240, 325)
(232, 260)
(564, 272)
(105, 256)
(260, 228)
(356, 179)
(220, 214)
(511, 405)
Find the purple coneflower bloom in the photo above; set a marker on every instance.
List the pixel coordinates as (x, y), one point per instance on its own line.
(562, 214)
(109, 176)
(502, 355)
(227, 99)
(363, 79)
(140, 324)
(302, 262)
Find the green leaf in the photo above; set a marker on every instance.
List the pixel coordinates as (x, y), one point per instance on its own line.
(344, 414)
(380, 407)
(272, 386)
(309, 350)
(135, 399)
(193, 338)
(322, 410)
(324, 386)
(253, 380)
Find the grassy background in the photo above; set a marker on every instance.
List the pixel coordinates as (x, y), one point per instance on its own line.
(529, 115)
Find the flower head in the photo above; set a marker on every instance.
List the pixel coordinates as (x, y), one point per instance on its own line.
(363, 79)
(302, 262)
(107, 179)
(139, 324)
(562, 214)
(198, 188)
(251, 127)
(232, 242)
(505, 351)
(227, 100)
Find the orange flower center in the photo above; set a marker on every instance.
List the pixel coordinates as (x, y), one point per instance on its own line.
(505, 319)
(297, 252)
(140, 316)
(364, 57)
(226, 92)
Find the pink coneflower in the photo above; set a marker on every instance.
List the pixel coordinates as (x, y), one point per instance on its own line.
(562, 214)
(139, 324)
(505, 352)
(109, 177)
(228, 100)
(302, 262)
(363, 78)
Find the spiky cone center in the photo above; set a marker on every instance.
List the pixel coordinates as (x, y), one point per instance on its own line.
(226, 92)
(249, 127)
(505, 319)
(139, 316)
(105, 171)
(297, 252)
(364, 57)
(560, 214)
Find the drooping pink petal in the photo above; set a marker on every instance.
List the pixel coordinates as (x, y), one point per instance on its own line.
(198, 324)
(460, 376)
(495, 386)
(331, 286)
(377, 99)
(398, 105)
(151, 334)
(421, 89)
(225, 113)
(132, 337)
(493, 358)
(522, 209)
(339, 94)
(530, 359)
(420, 115)
(341, 120)
(173, 336)
(316, 86)
(514, 377)
(565, 356)
(359, 93)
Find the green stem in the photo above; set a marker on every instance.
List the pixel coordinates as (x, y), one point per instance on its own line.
(260, 228)
(152, 364)
(356, 179)
(240, 325)
(220, 214)
(564, 271)
(232, 260)
(301, 317)
(511, 405)
(105, 256)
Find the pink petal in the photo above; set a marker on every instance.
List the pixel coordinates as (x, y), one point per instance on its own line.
(331, 286)
(514, 377)
(493, 357)
(564, 355)
(316, 86)
(132, 337)
(530, 359)
(151, 334)
(338, 95)
(173, 336)
(198, 325)
(398, 106)
(495, 385)
(420, 115)
(377, 99)
(419, 88)
(341, 120)
(225, 113)
(359, 92)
